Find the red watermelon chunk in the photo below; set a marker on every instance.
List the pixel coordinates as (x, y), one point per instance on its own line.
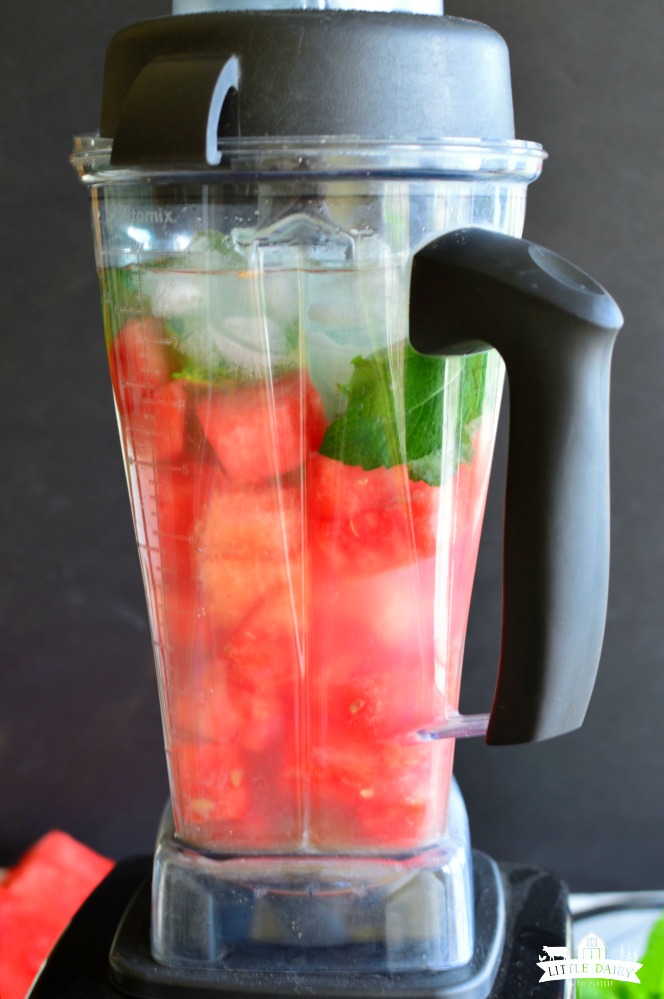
(337, 490)
(245, 543)
(152, 406)
(367, 796)
(173, 502)
(264, 430)
(38, 898)
(156, 428)
(213, 707)
(252, 524)
(140, 360)
(367, 522)
(266, 650)
(229, 792)
(213, 781)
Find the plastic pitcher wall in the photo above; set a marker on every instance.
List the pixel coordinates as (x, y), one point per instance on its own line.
(80, 738)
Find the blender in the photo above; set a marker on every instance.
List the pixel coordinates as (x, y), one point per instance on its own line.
(307, 220)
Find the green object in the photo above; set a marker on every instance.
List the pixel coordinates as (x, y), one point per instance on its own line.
(651, 975)
(379, 428)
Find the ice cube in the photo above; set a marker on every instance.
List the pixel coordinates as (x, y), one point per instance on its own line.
(255, 344)
(173, 293)
(281, 292)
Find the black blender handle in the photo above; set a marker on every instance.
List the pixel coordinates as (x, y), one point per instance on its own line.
(555, 328)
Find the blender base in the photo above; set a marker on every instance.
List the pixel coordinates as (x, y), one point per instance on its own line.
(307, 914)
(535, 915)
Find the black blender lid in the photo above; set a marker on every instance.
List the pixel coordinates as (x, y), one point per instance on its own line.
(174, 85)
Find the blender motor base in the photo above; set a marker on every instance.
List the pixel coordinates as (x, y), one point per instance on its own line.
(273, 970)
(535, 914)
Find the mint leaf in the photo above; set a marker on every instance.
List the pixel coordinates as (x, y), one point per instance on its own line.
(366, 434)
(423, 391)
(378, 429)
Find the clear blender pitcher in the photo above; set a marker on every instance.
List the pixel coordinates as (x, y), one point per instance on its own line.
(307, 488)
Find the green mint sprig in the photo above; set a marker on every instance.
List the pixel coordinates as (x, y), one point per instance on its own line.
(378, 429)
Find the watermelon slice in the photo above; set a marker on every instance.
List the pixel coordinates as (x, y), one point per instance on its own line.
(37, 900)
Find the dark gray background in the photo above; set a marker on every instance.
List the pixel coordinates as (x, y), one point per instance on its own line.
(80, 739)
